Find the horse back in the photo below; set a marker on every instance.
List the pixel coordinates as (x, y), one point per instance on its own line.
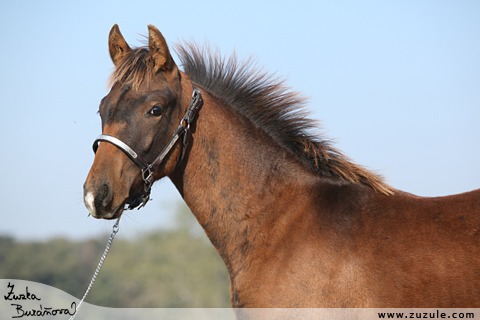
(421, 252)
(361, 249)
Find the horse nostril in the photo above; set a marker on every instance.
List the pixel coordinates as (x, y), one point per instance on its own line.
(107, 196)
(105, 191)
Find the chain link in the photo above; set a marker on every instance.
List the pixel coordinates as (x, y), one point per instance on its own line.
(100, 264)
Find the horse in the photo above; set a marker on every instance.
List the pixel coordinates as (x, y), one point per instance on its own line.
(297, 223)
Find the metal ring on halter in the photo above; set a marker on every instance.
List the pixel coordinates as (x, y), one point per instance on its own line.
(184, 120)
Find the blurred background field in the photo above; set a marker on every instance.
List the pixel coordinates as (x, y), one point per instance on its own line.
(173, 267)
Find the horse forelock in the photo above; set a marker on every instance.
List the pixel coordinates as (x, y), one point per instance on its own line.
(135, 68)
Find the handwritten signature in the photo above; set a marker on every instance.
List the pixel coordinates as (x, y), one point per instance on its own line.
(38, 312)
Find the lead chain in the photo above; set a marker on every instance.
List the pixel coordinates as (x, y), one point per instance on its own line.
(100, 264)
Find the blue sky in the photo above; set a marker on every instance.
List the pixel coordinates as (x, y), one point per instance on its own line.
(394, 83)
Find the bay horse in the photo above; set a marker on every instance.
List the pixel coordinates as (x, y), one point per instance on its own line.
(296, 222)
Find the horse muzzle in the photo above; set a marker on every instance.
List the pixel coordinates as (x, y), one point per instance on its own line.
(100, 202)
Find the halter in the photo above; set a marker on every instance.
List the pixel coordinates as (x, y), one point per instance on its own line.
(148, 169)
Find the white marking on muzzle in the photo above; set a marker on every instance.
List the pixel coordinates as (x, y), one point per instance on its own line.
(90, 204)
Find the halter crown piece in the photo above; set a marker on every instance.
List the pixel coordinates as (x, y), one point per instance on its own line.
(148, 169)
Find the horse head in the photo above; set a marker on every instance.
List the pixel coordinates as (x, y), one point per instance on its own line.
(139, 115)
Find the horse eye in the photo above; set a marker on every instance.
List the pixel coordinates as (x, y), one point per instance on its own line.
(156, 111)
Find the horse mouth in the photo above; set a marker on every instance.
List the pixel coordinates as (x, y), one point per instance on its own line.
(127, 204)
(100, 212)
(115, 214)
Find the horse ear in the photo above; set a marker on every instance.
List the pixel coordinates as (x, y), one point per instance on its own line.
(159, 50)
(117, 46)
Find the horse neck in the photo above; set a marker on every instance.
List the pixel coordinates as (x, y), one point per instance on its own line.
(234, 179)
